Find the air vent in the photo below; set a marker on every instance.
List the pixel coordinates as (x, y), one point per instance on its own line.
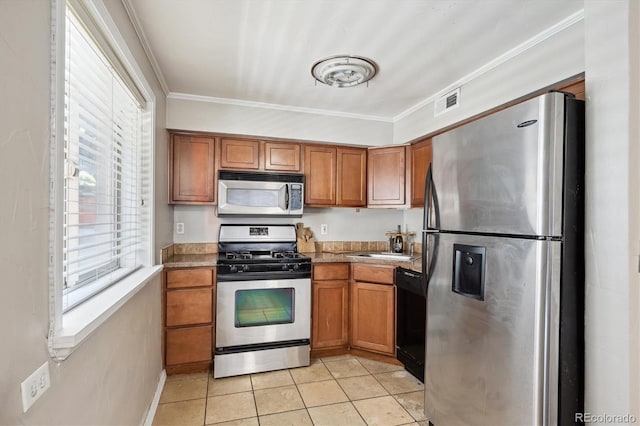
(447, 102)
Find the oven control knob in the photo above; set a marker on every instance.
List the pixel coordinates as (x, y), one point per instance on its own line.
(245, 268)
(285, 266)
(233, 268)
(296, 267)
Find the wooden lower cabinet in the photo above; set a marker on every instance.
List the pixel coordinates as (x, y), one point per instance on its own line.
(187, 345)
(192, 306)
(330, 310)
(331, 314)
(189, 319)
(373, 317)
(373, 308)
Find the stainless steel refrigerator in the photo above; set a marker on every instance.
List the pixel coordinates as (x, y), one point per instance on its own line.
(503, 258)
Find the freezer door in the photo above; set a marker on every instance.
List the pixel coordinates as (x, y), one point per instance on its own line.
(502, 174)
(491, 349)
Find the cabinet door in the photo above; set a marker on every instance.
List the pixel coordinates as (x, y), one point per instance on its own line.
(420, 160)
(239, 154)
(330, 314)
(198, 277)
(382, 274)
(373, 317)
(386, 176)
(282, 156)
(188, 307)
(330, 271)
(352, 177)
(191, 168)
(320, 175)
(186, 345)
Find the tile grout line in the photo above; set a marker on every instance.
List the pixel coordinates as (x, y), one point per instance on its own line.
(206, 398)
(332, 377)
(347, 395)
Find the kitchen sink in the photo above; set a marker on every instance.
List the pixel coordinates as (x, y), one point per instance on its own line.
(384, 256)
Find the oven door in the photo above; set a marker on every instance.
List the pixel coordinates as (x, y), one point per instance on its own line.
(262, 311)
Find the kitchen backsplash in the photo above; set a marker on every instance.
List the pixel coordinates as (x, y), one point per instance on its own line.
(201, 225)
(349, 246)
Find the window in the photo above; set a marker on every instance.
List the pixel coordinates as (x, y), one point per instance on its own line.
(102, 140)
(101, 174)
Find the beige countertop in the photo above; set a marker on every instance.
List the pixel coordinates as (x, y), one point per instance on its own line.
(209, 260)
(325, 257)
(191, 260)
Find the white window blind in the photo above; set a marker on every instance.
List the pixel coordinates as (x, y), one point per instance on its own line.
(104, 170)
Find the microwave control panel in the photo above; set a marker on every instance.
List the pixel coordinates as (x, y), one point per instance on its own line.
(295, 202)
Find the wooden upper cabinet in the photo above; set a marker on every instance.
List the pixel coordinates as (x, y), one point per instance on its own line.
(239, 154)
(192, 169)
(577, 88)
(420, 160)
(352, 177)
(320, 175)
(386, 176)
(279, 156)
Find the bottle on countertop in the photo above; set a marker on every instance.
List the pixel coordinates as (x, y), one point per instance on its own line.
(397, 243)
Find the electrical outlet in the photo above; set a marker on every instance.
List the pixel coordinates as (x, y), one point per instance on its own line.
(324, 229)
(34, 386)
(180, 228)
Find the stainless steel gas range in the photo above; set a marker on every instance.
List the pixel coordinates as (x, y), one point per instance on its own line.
(263, 303)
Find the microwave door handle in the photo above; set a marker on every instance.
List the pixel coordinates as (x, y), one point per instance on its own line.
(286, 197)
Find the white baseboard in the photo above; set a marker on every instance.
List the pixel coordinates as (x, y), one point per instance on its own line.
(156, 399)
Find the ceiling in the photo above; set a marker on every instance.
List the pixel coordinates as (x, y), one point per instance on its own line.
(262, 51)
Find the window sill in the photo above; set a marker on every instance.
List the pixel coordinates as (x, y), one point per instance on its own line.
(82, 321)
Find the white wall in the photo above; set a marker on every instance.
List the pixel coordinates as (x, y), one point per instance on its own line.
(612, 213)
(344, 224)
(559, 57)
(111, 378)
(222, 118)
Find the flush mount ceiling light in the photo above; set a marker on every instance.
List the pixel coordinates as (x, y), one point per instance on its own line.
(344, 70)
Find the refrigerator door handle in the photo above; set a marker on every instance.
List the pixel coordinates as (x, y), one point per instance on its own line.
(431, 205)
(429, 257)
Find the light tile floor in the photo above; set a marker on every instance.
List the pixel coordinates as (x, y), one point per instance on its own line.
(340, 390)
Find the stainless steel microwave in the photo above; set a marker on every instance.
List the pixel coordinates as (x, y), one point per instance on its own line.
(260, 194)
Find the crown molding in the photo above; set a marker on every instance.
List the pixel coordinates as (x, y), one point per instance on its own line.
(133, 17)
(510, 54)
(264, 105)
(489, 66)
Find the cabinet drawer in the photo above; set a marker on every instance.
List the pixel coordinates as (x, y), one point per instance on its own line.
(331, 271)
(382, 274)
(186, 307)
(189, 345)
(189, 278)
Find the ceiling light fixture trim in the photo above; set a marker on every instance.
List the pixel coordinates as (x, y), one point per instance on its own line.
(344, 70)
